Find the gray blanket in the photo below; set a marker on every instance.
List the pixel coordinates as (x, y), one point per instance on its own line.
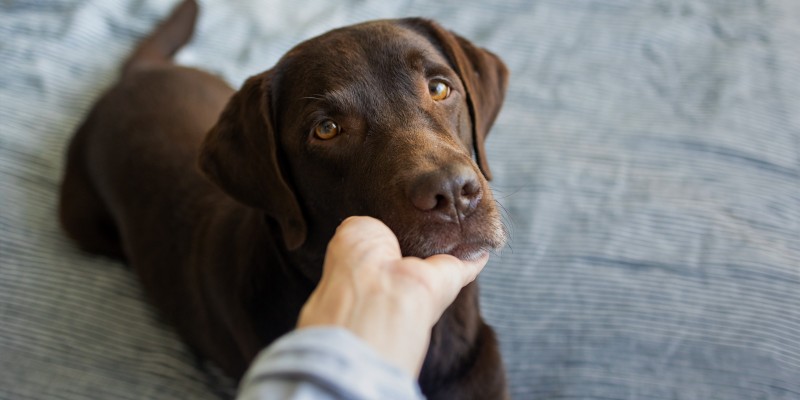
(648, 159)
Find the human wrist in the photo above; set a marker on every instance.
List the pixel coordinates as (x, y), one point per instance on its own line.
(400, 334)
(332, 358)
(396, 327)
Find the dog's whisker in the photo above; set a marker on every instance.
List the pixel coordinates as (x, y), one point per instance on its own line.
(514, 190)
(506, 220)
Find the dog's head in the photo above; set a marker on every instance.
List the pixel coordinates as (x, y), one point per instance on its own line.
(378, 119)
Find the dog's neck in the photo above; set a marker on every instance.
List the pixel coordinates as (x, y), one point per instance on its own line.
(278, 288)
(257, 280)
(454, 338)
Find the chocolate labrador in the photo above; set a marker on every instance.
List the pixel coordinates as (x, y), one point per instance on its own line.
(380, 118)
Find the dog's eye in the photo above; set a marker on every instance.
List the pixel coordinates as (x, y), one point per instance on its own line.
(439, 90)
(326, 130)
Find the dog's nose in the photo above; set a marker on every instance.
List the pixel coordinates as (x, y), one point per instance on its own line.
(450, 193)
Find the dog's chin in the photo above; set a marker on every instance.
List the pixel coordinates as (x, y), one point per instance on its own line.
(469, 241)
(462, 251)
(467, 252)
(466, 249)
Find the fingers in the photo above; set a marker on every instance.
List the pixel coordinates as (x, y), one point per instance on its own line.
(368, 240)
(371, 231)
(449, 269)
(363, 227)
(361, 241)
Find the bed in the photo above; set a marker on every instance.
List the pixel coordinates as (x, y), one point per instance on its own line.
(647, 159)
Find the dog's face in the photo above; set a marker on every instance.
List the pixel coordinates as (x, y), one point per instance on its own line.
(376, 119)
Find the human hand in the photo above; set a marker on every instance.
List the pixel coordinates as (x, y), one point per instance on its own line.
(389, 301)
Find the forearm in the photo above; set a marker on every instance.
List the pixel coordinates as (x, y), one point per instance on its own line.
(325, 363)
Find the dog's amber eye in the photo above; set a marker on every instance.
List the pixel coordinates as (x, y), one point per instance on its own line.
(326, 130)
(439, 90)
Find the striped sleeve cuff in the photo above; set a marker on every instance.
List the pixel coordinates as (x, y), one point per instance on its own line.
(326, 362)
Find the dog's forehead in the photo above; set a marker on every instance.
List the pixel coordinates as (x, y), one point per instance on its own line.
(384, 53)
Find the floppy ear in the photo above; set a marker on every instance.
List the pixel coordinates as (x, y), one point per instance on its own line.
(240, 155)
(485, 78)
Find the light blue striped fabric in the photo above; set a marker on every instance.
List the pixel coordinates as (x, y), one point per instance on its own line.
(648, 158)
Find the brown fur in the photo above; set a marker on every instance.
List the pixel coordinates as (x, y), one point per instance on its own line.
(230, 257)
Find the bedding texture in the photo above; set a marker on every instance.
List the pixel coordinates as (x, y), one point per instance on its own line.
(647, 158)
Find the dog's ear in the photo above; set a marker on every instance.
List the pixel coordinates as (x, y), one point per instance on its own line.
(484, 76)
(240, 155)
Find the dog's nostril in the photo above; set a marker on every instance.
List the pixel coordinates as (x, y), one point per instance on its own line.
(471, 188)
(470, 196)
(441, 202)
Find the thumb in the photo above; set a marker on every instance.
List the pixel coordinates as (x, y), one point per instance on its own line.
(463, 271)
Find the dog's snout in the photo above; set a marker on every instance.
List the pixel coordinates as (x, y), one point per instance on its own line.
(450, 193)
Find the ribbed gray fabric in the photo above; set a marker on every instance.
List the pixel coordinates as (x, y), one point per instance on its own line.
(648, 158)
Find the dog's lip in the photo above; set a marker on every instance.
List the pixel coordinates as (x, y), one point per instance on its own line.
(462, 251)
(468, 252)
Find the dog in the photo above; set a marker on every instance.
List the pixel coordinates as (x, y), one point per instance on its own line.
(223, 201)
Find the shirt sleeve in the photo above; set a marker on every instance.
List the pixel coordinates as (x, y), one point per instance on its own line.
(324, 363)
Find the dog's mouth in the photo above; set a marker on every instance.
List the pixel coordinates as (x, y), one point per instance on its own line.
(462, 251)
(471, 249)
(469, 240)
(468, 252)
